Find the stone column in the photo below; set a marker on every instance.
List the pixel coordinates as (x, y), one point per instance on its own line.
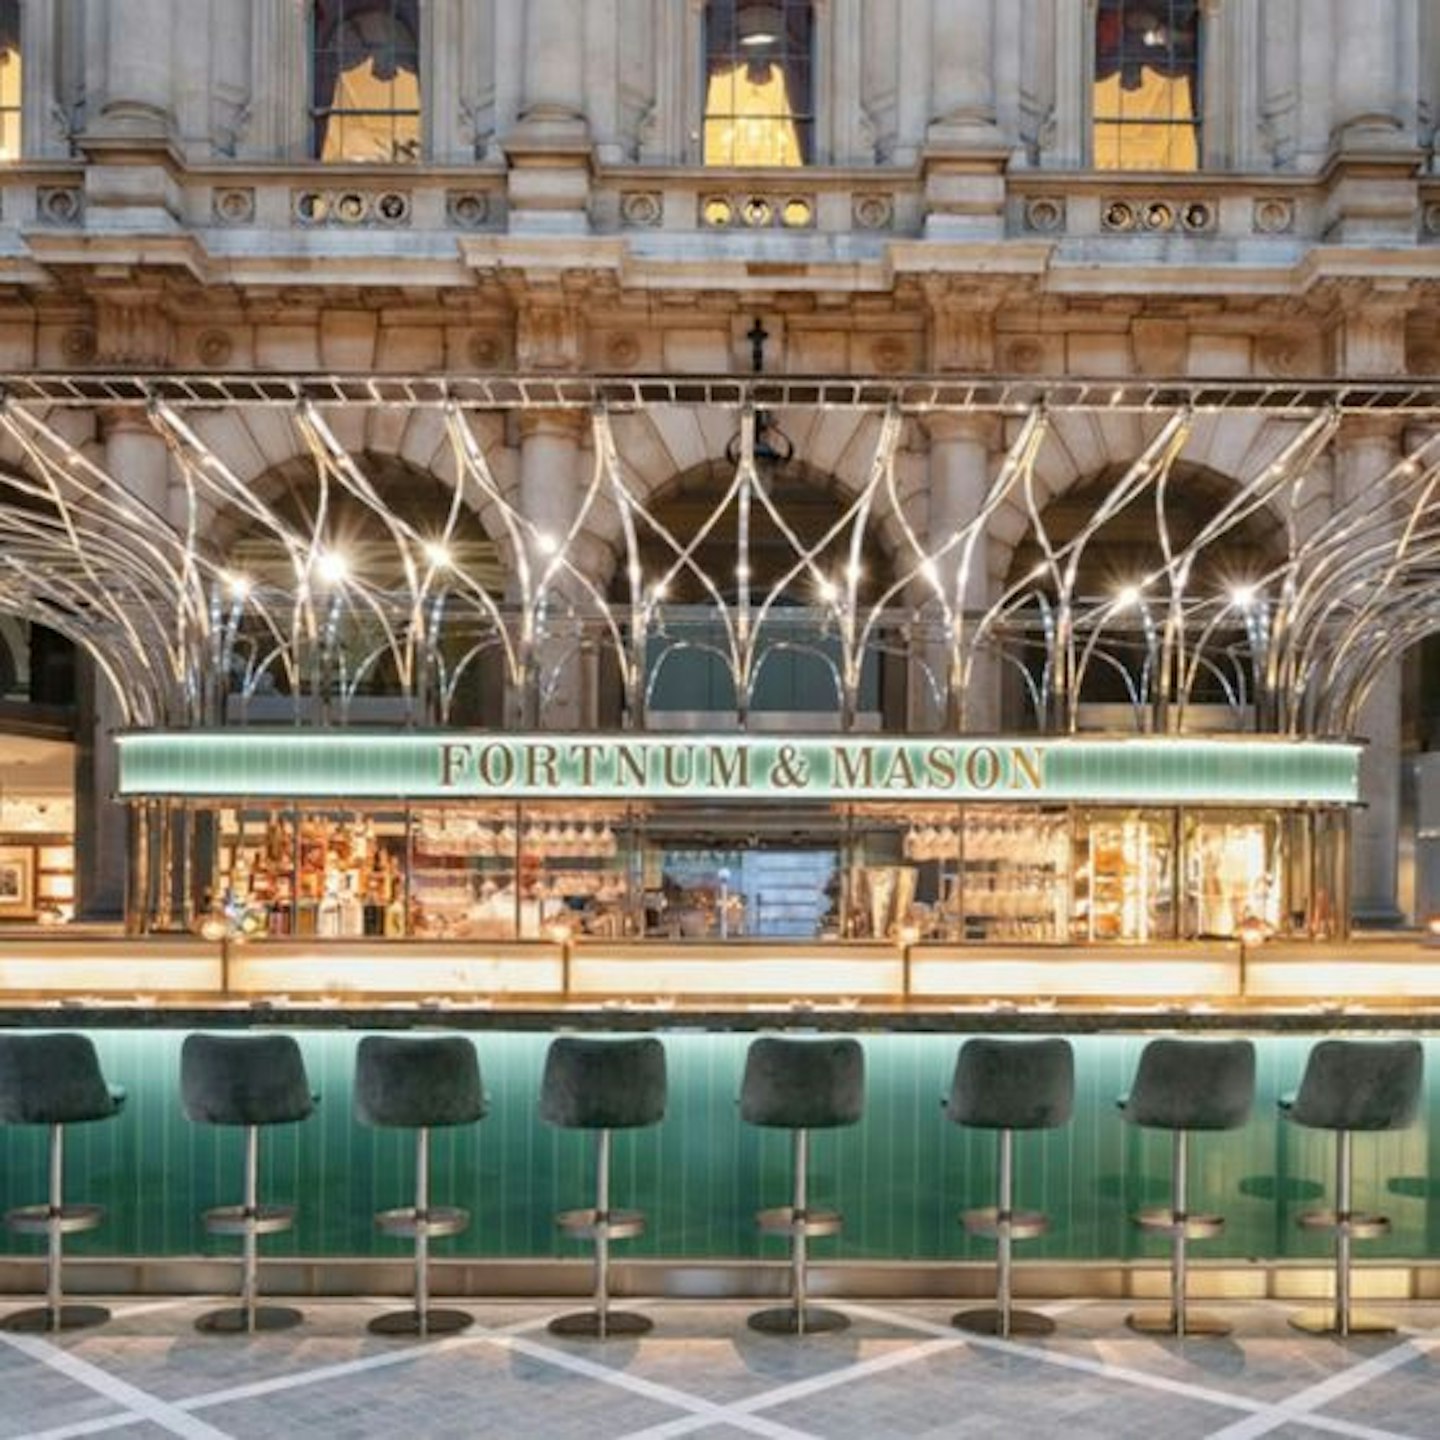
(137, 83)
(553, 87)
(550, 460)
(101, 823)
(1366, 451)
(962, 71)
(961, 451)
(1371, 40)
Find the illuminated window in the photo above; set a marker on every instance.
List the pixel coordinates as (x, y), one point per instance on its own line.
(1147, 85)
(9, 79)
(758, 83)
(365, 80)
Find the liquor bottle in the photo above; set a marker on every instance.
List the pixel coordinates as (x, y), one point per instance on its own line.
(327, 920)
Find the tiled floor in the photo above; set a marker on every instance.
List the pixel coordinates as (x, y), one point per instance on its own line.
(900, 1370)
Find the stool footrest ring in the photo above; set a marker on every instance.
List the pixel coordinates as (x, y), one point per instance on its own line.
(1024, 1224)
(236, 1219)
(438, 1222)
(812, 1221)
(37, 1219)
(587, 1224)
(1162, 1220)
(1362, 1226)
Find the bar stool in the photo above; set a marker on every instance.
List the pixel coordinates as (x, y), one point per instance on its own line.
(419, 1084)
(1180, 1086)
(252, 1081)
(54, 1080)
(602, 1085)
(801, 1085)
(1005, 1086)
(1352, 1085)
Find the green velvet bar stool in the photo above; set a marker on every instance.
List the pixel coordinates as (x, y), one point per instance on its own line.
(801, 1085)
(54, 1080)
(418, 1084)
(1183, 1086)
(249, 1081)
(1005, 1086)
(602, 1086)
(1350, 1086)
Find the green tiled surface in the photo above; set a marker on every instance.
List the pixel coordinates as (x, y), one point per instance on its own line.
(901, 1176)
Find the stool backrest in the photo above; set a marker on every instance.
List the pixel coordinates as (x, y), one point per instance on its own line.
(1013, 1084)
(418, 1081)
(52, 1080)
(1360, 1085)
(603, 1084)
(803, 1084)
(1193, 1085)
(243, 1080)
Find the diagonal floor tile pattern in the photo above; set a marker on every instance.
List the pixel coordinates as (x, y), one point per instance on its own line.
(900, 1370)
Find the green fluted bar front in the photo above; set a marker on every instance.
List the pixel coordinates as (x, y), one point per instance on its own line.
(900, 1176)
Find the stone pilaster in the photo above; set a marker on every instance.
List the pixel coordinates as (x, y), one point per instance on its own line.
(550, 491)
(962, 450)
(1365, 452)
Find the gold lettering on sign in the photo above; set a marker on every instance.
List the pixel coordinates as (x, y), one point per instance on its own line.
(982, 768)
(630, 761)
(587, 750)
(454, 759)
(679, 766)
(541, 767)
(941, 761)
(729, 767)
(496, 765)
(856, 771)
(1027, 767)
(901, 774)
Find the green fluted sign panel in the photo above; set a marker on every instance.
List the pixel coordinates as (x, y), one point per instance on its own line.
(461, 765)
(901, 1175)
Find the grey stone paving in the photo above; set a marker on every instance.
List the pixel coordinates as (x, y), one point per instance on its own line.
(900, 1370)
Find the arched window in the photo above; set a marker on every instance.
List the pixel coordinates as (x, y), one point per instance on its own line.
(365, 80)
(1147, 111)
(759, 83)
(9, 79)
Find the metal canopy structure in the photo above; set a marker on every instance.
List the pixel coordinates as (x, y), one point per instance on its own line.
(188, 639)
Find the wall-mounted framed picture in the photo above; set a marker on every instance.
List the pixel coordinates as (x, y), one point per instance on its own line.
(17, 882)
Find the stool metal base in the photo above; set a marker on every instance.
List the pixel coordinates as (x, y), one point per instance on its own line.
(1024, 1224)
(40, 1319)
(798, 1320)
(407, 1322)
(1162, 1220)
(813, 1222)
(68, 1219)
(589, 1223)
(1162, 1322)
(586, 1324)
(439, 1222)
(1361, 1322)
(240, 1219)
(990, 1322)
(235, 1320)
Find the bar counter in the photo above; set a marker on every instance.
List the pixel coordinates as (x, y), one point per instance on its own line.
(901, 1176)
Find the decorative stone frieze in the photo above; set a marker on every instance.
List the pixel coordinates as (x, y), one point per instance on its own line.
(1123, 214)
(642, 209)
(351, 208)
(233, 205)
(468, 209)
(1273, 215)
(749, 210)
(59, 204)
(1045, 214)
(873, 210)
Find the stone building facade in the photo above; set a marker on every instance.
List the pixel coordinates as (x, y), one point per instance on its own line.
(551, 188)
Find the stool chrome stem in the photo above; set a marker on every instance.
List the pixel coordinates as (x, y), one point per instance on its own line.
(602, 1232)
(250, 1257)
(53, 1239)
(799, 1249)
(1179, 1240)
(1005, 1164)
(422, 1230)
(1343, 1189)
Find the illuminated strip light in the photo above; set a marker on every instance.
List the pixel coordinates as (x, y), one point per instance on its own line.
(477, 766)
